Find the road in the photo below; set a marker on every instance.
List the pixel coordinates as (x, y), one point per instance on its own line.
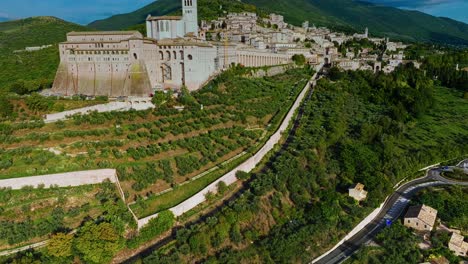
(391, 210)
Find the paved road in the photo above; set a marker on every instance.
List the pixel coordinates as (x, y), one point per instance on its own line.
(392, 209)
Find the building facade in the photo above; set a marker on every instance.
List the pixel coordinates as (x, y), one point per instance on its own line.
(421, 218)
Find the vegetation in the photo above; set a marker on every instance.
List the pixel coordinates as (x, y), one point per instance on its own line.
(30, 214)
(24, 72)
(153, 229)
(451, 204)
(398, 244)
(343, 15)
(207, 10)
(298, 206)
(155, 150)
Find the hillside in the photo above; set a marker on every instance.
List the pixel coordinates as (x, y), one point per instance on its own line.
(33, 67)
(208, 9)
(341, 14)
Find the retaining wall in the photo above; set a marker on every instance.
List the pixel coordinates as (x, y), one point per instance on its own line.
(69, 179)
(137, 104)
(247, 166)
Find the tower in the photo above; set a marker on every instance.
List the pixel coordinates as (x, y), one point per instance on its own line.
(190, 16)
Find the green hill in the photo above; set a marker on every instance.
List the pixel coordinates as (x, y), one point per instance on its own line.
(208, 9)
(342, 14)
(34, 68)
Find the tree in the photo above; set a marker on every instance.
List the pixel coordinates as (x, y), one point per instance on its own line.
(299, 59)
(6, 108)
(98, 243)
(60, 245)
(37, 102)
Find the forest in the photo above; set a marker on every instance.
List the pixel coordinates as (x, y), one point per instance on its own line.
(360, 128)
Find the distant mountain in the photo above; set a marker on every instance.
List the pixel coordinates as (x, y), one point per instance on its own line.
(208, 9)
(347, 15)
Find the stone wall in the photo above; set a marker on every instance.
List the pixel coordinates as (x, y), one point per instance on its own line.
(247, 166)
(135, 103)
(62, 179)
(275, 70)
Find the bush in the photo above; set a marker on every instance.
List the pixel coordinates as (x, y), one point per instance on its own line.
(154, 228)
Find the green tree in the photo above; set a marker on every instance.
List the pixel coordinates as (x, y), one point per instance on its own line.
(6, 108)
(60, 245)
(98, 243)
(299, 59)
(39, 103)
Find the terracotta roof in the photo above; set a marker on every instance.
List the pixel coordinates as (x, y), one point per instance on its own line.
(182, 42)
(151, 18)
(93, 33)
(359, 187)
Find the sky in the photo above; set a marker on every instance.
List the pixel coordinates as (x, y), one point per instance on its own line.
(86, 11)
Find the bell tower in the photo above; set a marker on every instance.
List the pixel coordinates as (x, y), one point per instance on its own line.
(190, 16)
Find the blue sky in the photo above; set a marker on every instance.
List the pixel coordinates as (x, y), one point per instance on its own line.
(86, 11)
(78, 11)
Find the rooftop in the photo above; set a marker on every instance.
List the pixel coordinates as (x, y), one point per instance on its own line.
(457, 240)
(423, 212)
(94, 33)
(152, 18)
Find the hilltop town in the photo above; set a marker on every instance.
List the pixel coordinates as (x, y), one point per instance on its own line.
(176, 52)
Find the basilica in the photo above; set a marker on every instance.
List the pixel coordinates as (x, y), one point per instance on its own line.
(173, 54)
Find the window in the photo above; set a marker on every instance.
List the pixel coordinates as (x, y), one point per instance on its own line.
(175, 55)
(190, 57)
(135, 56)
(161, 55)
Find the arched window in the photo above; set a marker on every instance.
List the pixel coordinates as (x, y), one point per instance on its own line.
(168, 55)
(135, 56)
(190, 57)
(161, 55)
(181, 54)
(175, 55)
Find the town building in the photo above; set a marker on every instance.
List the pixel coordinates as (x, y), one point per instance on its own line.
(458, 245)
(420, 218)
(357, 192)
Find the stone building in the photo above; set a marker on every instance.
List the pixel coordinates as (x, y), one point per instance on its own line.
(420, 217)
(172, 55)
(357, 192)
(170, 27)
(458, 245)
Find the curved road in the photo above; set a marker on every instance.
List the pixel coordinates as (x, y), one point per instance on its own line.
(391, 210)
